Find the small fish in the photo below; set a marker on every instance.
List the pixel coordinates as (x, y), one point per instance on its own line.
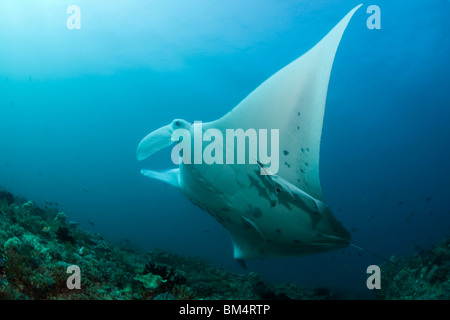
(91, 223)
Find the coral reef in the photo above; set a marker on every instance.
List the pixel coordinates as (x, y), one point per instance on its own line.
(37, 245)
(7, 197)
(425, 276)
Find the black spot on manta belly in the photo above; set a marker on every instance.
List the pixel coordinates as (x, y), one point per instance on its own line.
(287, 164)
(286, 152)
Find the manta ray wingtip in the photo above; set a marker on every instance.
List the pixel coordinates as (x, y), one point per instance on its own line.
(354, 10)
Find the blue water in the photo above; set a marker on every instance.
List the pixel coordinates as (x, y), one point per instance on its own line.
(74, 104)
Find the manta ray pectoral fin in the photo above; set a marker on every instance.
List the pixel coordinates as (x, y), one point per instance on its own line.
(155, 141)
(248, 245)
(242, 249)
(293, 190)
(293, 101)
(255, 227)
(171, 177)
(321, 206)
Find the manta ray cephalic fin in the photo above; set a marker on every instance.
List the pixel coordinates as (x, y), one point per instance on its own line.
(171, 177)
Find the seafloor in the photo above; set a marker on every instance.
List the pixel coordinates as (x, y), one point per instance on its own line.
(37, 245)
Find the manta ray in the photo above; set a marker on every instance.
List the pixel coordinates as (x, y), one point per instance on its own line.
(268, 215)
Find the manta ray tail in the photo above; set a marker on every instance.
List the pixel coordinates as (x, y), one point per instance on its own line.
(378, 256)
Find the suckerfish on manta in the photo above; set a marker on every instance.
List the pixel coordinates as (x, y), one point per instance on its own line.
(267, 214)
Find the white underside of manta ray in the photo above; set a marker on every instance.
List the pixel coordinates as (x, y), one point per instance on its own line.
(283, 214)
